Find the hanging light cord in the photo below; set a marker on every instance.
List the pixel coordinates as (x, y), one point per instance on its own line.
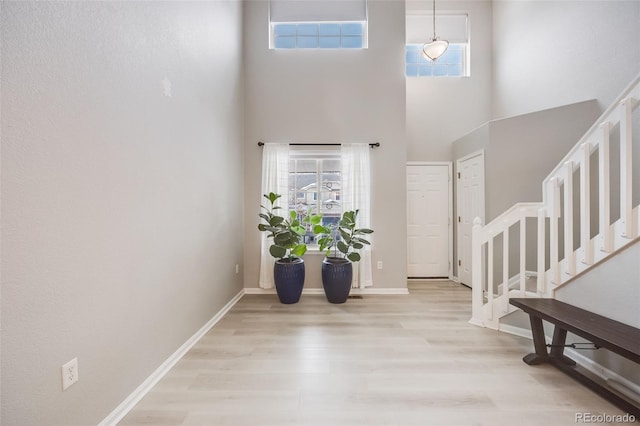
(434, 19)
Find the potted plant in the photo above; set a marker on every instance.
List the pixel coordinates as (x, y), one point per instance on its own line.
(287, 248)
(341, 242)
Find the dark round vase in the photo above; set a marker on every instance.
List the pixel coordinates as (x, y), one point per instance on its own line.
(288, 276)
(337, 274)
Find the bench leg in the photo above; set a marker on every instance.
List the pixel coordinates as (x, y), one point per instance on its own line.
(539, 343)
(557, 346)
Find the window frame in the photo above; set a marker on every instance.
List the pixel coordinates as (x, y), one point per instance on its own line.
(318, 156)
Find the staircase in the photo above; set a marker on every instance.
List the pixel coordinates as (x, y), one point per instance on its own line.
(587, 214)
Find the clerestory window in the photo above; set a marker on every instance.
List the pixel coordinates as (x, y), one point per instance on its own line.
(318, 24)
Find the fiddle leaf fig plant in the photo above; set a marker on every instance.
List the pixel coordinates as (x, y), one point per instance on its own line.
(343, 238)
(286, 232)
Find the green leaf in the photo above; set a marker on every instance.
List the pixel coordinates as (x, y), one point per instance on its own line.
(316, 219)
(354, 257)
(262, 227)
(343, 247)
(276, 220)
(362, 240)
(319, 229)
(293, 215)
(264, 216)
(299, 230)
(345, 224)
(283, 239)
(299, 250)
(349, 215)
(277, 251)
(364, 231)
(273, 197)
(357, 246)
(345, 235)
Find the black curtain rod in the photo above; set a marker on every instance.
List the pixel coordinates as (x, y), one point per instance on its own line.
(372, 145)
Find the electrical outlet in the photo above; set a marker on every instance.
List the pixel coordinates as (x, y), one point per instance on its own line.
(69, 373)
(237, 268)
(379, 264)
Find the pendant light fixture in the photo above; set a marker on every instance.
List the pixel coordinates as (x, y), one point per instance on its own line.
(434, 49)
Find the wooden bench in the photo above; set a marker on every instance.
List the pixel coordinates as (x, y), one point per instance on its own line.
(603, 332)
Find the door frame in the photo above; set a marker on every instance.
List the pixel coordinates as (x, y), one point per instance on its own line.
(449, 165)
(481, 154)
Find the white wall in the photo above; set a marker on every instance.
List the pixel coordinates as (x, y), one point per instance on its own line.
(441, 110)
(550, 53)
(119, 203)
(325, 96)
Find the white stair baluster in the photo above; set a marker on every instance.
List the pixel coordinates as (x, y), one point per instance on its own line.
(626, 201)
(603, 188)
(523, 255)
(585, 205)
(541, 281)
(569, 256)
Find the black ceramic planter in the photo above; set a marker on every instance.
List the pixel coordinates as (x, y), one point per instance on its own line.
(289, 279)
(337, 274)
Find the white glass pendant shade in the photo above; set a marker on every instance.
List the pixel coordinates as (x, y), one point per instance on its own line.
(434, 49)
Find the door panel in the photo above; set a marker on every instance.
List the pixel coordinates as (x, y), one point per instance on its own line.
(470, 205)
(428, 221)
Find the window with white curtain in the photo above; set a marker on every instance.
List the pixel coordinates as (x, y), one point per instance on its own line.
(325, 179)
(318, 24)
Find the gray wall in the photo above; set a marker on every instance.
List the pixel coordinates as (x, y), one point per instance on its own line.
(119, 203)
(550, 53)
(324, 96)
(441, 110)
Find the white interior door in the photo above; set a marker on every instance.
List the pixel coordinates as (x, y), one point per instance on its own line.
(428, 220)
(470, 189)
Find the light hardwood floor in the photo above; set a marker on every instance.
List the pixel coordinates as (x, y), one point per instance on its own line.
(379, 360)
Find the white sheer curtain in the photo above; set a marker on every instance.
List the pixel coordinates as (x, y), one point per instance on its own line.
(355, 193)
(275, 178)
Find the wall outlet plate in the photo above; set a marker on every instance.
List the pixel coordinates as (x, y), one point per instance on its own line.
(69, 373)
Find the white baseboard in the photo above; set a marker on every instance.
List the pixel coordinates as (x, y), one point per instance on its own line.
(123, 409)
(316, 291)
(516, 331)
(611, 378)
(604, 373)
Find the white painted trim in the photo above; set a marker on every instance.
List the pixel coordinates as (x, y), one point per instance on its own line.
(449, 165)
(428, 279)
(127, 405)
(470, 156)
(320, 291)
(379, 291)
(603, 372)
(516, 331)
